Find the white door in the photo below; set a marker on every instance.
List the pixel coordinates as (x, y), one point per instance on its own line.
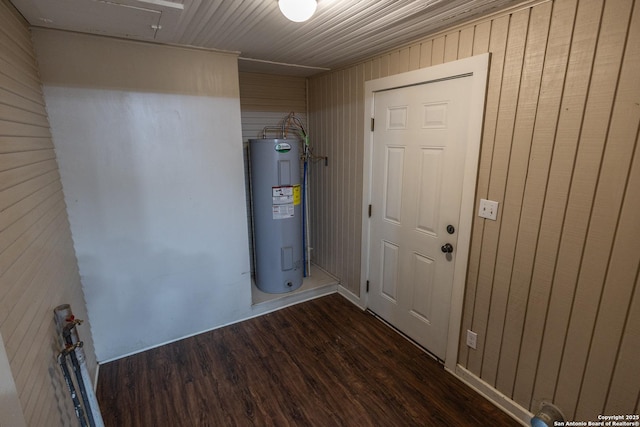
(419, 148)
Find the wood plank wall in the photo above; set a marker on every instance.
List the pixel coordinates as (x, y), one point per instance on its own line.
(265, 99)
(335, 122)
(38, 267)
(551, 287)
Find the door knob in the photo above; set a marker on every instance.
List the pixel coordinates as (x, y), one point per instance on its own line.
(447, 248)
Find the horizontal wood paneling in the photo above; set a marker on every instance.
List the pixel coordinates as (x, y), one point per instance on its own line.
(13, 114)
(14, 69)
(28, 91)
(16, 160)
(552, 284)
(13, 30)
(266, 99)
(38, 268)
(15, 100)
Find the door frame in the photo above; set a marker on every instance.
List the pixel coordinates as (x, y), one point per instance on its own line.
(476, 68)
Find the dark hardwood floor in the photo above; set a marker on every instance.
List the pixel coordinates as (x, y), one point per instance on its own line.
(319, 363)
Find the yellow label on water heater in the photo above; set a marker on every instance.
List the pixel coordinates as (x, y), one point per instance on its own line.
(296, 194)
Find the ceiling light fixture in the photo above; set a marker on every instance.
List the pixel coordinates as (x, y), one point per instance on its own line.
(297, 10)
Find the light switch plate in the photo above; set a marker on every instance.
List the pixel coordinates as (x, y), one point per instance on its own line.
(488, 209)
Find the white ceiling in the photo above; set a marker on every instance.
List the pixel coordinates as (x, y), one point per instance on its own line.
(340, 32)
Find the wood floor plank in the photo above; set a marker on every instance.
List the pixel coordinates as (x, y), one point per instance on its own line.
(320, 363)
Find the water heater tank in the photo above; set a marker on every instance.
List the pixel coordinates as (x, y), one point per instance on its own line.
(277, 214)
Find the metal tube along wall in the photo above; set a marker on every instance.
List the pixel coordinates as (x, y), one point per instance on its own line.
(277, 214)
(63, 316)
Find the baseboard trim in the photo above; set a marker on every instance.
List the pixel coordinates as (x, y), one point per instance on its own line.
(95, 377)
(257, 312)
(353, 298)
(508, 406)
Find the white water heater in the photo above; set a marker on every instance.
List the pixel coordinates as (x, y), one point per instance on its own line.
(276, 198)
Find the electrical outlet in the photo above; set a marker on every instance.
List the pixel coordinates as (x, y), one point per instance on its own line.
(472, 339)
(488, 209)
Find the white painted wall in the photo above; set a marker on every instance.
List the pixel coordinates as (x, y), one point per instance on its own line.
(149, 145)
